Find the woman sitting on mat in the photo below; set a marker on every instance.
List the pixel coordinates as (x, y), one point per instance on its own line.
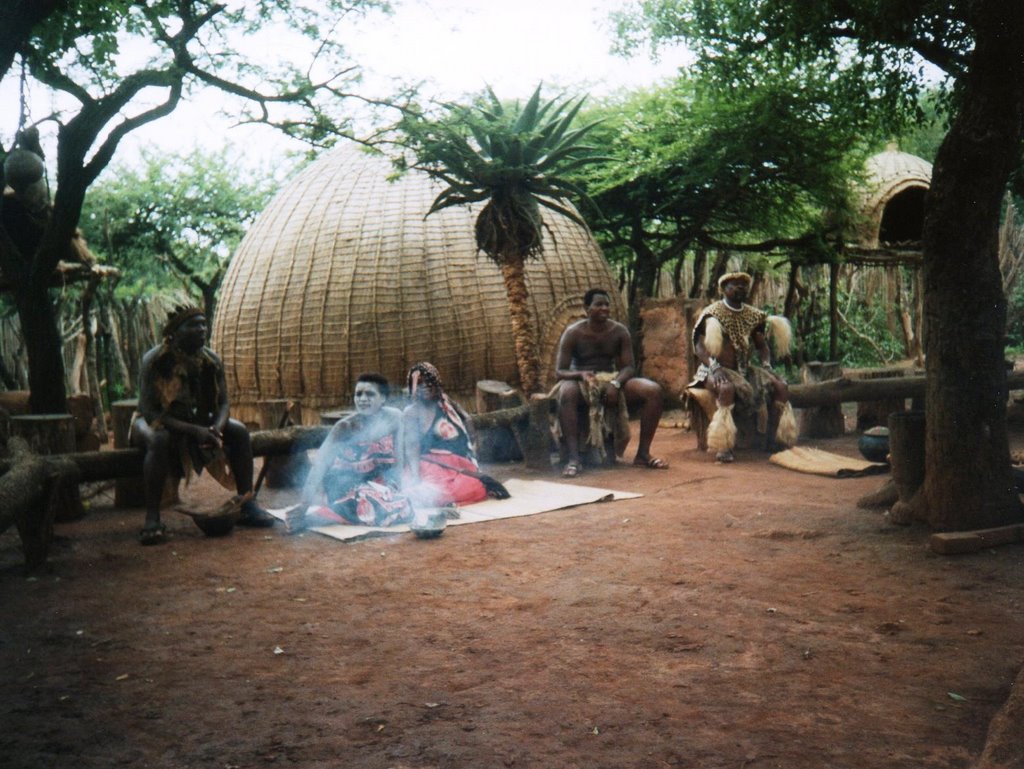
(440, 461)
(357, 467)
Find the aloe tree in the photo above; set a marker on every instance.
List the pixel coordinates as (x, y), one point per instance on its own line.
(510, 158)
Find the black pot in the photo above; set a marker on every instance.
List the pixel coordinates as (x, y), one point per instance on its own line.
(874, 444)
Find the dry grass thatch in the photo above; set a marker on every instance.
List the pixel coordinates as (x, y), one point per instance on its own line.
(342, 274)
(889, 174)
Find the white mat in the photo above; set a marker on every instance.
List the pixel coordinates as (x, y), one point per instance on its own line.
(528, 498)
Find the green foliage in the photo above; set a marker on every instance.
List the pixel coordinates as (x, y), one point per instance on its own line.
(924, 137)
(513, 156)
(182, 212)
(854, 349)
(870, 47)
(1015, 316)
(764, 167)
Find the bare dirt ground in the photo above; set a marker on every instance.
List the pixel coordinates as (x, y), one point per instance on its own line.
(735, 616)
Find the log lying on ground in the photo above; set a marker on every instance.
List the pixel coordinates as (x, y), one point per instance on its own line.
(850, 390)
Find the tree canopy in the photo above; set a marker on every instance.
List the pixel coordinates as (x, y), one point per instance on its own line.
(172, 222)
(756, 169)
(891, 48)
(120, 65)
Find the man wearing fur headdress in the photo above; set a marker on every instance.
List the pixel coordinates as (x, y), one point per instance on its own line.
(724, 338)
(182, 422)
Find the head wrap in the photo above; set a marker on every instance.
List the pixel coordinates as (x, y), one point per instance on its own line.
(734, 276)
(428, 375)
(178, 317)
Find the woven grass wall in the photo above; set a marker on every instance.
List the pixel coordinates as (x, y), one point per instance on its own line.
(342, 274)
(888, 174)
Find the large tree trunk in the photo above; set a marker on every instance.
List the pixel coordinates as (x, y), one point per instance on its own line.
(43, 345)
(524, 335)
(968, 483)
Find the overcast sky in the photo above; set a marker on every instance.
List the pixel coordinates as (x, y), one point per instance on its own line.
(458, 47)
(454, 46)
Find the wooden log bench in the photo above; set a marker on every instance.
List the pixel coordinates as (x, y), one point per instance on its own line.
(842, 390)
(30, 483)
(286, 471)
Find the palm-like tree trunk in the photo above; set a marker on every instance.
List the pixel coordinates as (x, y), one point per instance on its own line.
(524, 335)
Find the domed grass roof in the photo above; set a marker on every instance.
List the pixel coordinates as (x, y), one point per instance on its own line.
(342, 274)
(893, 197)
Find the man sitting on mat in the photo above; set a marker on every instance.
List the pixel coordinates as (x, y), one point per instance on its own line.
(595, 371)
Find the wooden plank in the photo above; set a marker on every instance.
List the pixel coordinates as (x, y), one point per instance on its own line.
(956, 542)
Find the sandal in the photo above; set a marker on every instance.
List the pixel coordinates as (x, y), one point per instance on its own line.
(255, 516)
(572, 469)
(153, 534)
(651, 463)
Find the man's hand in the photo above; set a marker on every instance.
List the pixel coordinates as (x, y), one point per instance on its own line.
(589, 377)
(208, 436)
(610, 395)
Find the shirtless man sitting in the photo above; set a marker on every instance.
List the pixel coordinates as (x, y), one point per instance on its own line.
(595, 370)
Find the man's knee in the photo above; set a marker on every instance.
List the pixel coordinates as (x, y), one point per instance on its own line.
(646, 390)
(569, 395)
(236, 435)
(156, 442)
(780, 390)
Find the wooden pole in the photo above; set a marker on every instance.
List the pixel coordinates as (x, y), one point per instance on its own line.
(833, 311)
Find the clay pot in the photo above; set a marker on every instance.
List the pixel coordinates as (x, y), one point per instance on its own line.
(874, 444)
(429, 523)
(216, 525)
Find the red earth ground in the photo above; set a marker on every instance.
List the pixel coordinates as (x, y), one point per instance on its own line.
(740, 616)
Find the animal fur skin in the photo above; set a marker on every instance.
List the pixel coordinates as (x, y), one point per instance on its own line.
(722, 430)
(786, 432)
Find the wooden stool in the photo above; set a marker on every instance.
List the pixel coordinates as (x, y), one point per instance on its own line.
(286, 471)
(497, 444)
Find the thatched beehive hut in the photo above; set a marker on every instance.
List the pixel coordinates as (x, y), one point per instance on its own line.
(893, 199)
(343, 274)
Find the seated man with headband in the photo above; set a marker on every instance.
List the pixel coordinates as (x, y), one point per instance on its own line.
(723, 338)
(182, 422)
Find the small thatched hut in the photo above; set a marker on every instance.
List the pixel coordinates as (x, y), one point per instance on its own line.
(343, 274)
(893, 199)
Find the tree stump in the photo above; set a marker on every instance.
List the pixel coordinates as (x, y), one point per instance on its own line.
(821, 421)
(906, 454)
(45, 433)
(50, 435)
(87, 435)
(536, 442)
(288, 471)
(497, 444)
